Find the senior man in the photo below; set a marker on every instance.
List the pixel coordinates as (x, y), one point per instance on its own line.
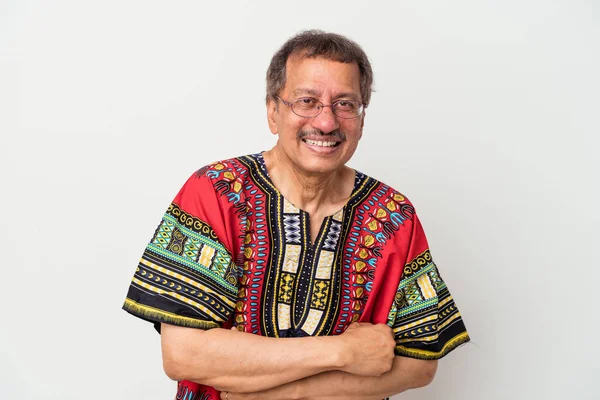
(286, 274)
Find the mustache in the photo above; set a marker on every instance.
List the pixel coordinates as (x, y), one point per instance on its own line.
(317, 132)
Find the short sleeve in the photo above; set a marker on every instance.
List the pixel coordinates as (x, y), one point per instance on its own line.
(187, 275)
(424, 318)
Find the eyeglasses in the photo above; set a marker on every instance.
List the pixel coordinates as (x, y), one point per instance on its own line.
(308, 107)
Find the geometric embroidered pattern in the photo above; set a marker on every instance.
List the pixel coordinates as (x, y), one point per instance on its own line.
(319, 295)
(325, 264)
(291, 226)
(184, 263)
(192, 248)
(313, 319)
(285, 288)
(436, 280)
(424, 318)
(422, 261)
(177, 242)
(263, 273)
(413, 293)
(332, 236)
(188, 221)
(291, 258)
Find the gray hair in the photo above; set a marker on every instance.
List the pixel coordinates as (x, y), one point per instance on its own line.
(316, 43)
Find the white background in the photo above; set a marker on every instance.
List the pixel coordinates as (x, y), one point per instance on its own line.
(485, 115)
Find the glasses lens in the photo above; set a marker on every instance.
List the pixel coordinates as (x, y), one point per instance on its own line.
(347, 108)
(306, 107)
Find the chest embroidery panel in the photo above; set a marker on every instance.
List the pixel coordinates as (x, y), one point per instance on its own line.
(291, 288)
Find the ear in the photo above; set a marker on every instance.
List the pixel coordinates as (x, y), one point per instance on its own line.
(272, 113)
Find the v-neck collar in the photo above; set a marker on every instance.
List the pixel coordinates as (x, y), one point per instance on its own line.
(303, 277)
(263, 168)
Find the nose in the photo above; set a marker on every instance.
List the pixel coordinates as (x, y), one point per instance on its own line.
(326, 121)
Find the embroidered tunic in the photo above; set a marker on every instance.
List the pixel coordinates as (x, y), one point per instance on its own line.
(232, 251)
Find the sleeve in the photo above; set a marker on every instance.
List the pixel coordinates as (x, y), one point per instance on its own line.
(424, 318)
(187, 275)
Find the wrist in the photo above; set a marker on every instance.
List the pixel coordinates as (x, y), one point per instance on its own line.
(338, 352)
(297, 391)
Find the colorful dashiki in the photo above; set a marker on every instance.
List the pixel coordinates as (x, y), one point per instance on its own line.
(231, 251)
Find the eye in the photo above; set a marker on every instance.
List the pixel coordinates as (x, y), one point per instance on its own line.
(307, 102)
(346, 105)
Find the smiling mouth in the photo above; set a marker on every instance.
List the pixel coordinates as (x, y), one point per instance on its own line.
(321, 143)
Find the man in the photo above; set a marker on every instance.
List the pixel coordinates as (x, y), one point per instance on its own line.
(320, 275)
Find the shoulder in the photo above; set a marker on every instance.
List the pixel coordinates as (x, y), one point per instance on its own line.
(384, 194)
(230, 169)
(225, 178)
(226, 175)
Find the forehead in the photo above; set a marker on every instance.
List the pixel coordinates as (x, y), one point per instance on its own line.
(318, 76)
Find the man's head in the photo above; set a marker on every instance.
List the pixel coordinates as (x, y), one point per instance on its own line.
(315, 69)
(313, 44)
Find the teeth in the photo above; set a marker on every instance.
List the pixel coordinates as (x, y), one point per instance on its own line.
(319, 143)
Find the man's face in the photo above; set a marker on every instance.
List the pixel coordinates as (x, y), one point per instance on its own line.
(326, 142)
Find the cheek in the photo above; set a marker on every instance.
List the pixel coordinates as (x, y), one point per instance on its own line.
(353, 131)
(291, 128)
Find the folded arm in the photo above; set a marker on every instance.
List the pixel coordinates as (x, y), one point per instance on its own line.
(244, 363)
(406, 373)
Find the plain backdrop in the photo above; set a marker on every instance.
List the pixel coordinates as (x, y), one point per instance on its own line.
(485, 114)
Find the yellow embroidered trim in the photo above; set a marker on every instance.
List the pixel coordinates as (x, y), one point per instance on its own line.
(434, 355)
(164, 316)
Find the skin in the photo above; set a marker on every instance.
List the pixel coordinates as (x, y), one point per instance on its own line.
(315, 179)
(358, 364)
(405, 374)
(245, 363)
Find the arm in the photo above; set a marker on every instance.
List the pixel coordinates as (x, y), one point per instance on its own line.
(406, 373)
(238, 362)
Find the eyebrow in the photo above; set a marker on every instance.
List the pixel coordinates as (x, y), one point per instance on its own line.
(348, 95)
(312, 92)
(316, 93)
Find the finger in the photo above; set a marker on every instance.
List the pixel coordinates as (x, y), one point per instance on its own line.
(224, 395)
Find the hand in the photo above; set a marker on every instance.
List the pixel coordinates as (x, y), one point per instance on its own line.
(236, 396)
(369, 349)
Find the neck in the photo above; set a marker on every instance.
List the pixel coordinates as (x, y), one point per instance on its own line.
(308, 191)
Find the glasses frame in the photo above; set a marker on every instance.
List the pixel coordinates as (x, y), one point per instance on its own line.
(290, 104)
